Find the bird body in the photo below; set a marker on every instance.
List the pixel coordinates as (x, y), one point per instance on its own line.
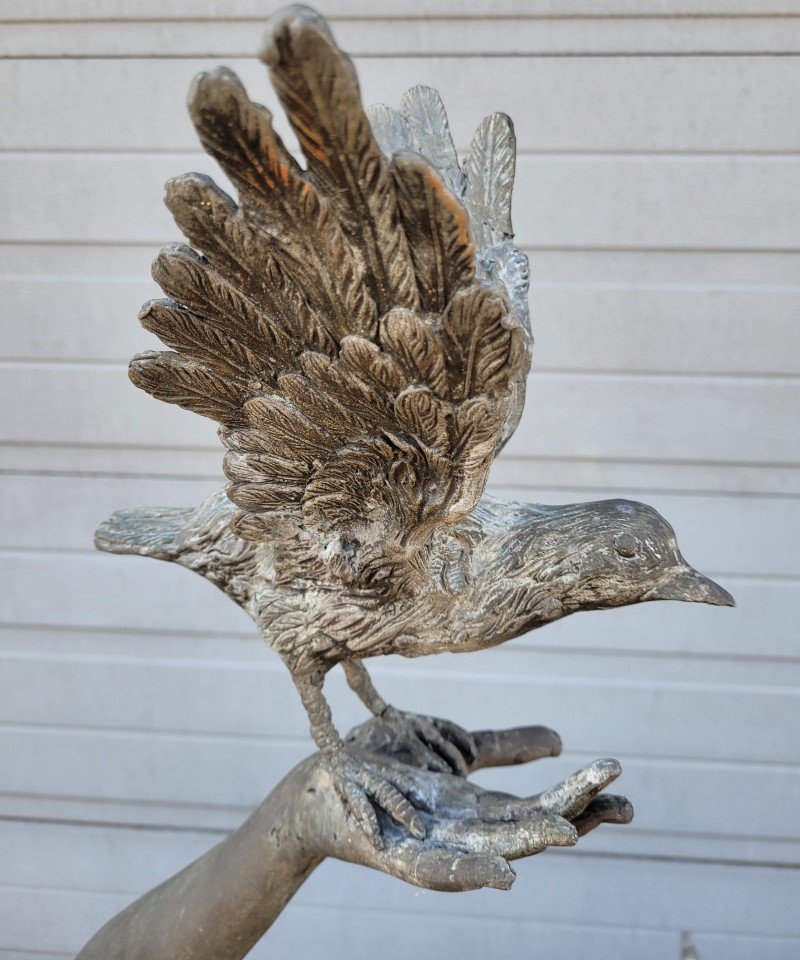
(507, 569)
(359, 330)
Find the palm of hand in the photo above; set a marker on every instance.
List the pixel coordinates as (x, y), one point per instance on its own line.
(470, 834)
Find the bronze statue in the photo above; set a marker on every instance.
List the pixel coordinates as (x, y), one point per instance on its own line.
(218, 907)
(359, 330)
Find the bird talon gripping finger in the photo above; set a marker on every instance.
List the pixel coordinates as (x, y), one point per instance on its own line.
(361, 335)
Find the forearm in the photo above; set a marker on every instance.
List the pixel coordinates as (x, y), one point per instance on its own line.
(220, 905)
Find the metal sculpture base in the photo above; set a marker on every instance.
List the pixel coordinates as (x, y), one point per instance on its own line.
(218, 907)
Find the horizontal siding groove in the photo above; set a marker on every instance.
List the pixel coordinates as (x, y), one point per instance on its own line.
(220, 832)
(507, 485)
(154, 245)
(518, 458)
(599, 286)
(450, 55)
(783, 158)
(577, 249)
(482, 915)
(39, 362)
(412, 38)
(777, 156)
(531, 646)
(148, 11)
(267, 667)
(490, 917)
(596, 285)
(576, 759)
(372, 14)
(123, 475)
(245, 810)
(117, 824)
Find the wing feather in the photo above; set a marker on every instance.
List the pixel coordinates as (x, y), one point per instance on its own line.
(486, 349)
(187, 278)
(275, 196)
(340, 322)
(254, 467)
(424, 415)
(170, 377)
(248, 257)
(489, 170)
(324, 407)
(437, 227)
(281, 422)
(418, 347)
(318, 88)
(390, 129)
(426, 122)
(266, 496)
(205, 342)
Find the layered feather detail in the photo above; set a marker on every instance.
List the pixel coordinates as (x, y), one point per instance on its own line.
(335, 322)
(318, 88)
(483, 185)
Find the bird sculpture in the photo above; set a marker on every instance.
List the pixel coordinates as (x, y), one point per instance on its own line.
(358, 327)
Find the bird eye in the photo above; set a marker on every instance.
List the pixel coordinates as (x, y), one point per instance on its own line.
(625, 545)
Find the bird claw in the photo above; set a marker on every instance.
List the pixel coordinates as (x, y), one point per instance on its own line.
(364, 792)
(435, 744)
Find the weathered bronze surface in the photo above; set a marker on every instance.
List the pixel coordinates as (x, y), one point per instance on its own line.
(359, 329)
(221, 905)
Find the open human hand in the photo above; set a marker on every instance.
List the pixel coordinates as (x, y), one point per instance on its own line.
(471, 833)
(219, 906)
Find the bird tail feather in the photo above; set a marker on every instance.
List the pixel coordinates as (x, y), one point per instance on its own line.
(144, 531)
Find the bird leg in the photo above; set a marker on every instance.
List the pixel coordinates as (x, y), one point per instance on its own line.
(361, 684)
(363, 788)
(432, 743)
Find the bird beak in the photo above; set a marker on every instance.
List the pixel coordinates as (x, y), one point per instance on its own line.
(685, 583)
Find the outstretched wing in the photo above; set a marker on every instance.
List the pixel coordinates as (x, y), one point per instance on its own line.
(363, 363)
(483, 186)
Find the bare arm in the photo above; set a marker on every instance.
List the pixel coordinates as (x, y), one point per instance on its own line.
(218, 907)
(221, 905)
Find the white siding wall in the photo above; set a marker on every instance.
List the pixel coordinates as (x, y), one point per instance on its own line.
(659, 199)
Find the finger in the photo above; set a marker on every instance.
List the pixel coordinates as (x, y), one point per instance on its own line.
(450, 753)
(502, 748)
(511, 840)
(493, 805)
(605, 809)
(395, 804)
(427, 758)
(571, 797)
(439, 868)
(459, 737)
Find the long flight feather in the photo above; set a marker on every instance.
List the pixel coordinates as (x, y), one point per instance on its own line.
(208, 343)
(249, 257)
(318, 88)
(191, 281)
(390, 129)
(279, 199)
(489, 171)
(167, 376)
(437, 227)
(426, 122)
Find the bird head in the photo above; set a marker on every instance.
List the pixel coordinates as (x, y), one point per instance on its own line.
(617, 552)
